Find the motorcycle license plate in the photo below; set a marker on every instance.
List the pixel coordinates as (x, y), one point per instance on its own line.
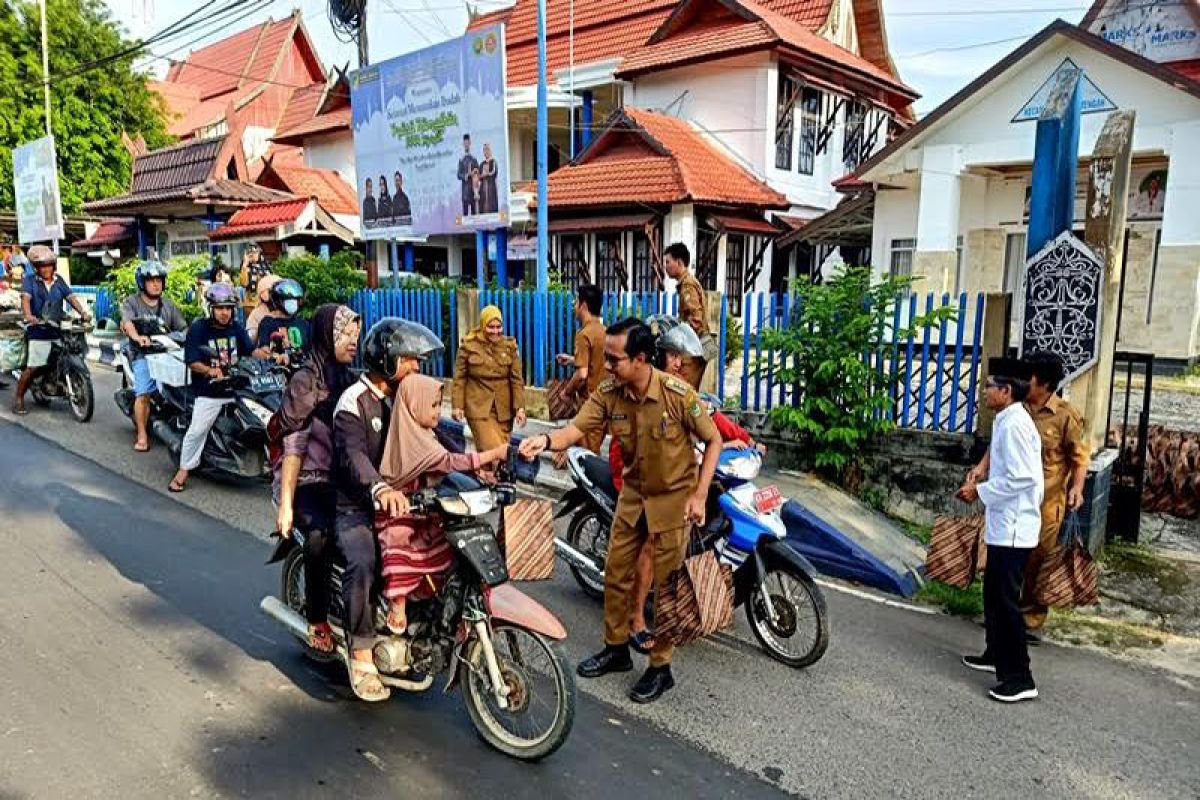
(768, 500)
(266, 383)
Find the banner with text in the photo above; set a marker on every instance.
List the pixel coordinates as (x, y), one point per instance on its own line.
(35, 186)
(431, 139)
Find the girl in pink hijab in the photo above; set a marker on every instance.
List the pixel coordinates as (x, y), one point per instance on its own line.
(414, 548)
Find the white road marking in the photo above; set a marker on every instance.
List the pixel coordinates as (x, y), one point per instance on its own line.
(883, 601)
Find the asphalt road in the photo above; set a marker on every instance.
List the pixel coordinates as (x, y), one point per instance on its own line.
(135, 637)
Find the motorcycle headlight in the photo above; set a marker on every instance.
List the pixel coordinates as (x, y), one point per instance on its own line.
(258, 411)
(468, 504)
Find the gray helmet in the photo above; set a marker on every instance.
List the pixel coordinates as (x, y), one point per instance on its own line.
(147, 270)
(393, 338)
(675, 336)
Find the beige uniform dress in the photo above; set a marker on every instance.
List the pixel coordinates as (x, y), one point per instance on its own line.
(489, 388)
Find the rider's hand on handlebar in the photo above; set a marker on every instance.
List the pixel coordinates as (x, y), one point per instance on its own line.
(281, 359)
(32, 320)
(393, 503)
(145, 341)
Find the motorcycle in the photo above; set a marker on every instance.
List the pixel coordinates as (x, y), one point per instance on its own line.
(164, 355)
(784, 606)
(66, 374)
(491, 639)
(237, 445)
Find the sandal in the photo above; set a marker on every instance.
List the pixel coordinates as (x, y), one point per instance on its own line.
(320, 638)
(642, 641)
(364, 680)
(141, 447)
(176, 488)
(20, 411)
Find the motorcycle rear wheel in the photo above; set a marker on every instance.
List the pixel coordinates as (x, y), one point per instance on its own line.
(528, 662)
(81, 395)
(39, 397)
(587, 534)
(800, 634)
(292, 592)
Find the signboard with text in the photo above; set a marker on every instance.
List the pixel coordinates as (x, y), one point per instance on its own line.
(1164, 31)
(431, 139)
(1094, 101)
(35, 187)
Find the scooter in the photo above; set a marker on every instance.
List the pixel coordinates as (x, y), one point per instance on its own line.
(784, 606)
(66, 374)
(487, 636)
(164, 356)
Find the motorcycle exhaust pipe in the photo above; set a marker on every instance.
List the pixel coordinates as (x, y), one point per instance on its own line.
(162, 429)
(575, 558)
(295, 624)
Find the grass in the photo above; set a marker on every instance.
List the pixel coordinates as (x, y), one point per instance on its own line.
(1139, 560)
(1109, 634)
(959, 602)
(918, 533)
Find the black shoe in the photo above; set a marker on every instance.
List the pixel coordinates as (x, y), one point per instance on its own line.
(1014, 692)
(654, 683)
(980, 663)
(613, 658)
(1032, 639)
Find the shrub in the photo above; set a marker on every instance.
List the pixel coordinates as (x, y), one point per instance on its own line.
(183, 273)
(332, 281)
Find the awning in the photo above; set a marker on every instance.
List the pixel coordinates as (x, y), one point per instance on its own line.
(744, 224)
(596, 224)
(851, 223)
(280, 221)
(109, 234)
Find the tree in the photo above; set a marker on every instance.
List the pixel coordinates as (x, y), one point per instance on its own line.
(89, 111)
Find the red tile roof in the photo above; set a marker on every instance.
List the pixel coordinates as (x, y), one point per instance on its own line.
(332, 192)
(491, 18)
(644, 157)
(700, 30)
(261, 217)
(302, 106)
(180, 166)
(809, 13)
(336, 120)
(108, 233)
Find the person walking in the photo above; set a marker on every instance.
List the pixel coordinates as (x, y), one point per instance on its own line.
(588, 358)
(692, 306)
(254, 269)
(489, 390)
(1012, 496)
(1065, 460)
(655, 418)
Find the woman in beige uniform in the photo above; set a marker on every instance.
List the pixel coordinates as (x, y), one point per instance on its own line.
(489, 390)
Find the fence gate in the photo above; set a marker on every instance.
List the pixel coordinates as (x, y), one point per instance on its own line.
(1128, 431)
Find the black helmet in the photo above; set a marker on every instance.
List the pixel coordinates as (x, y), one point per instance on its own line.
(393, 338)
(220, 295)
(674, 336)
(147, 270)
(286, 296)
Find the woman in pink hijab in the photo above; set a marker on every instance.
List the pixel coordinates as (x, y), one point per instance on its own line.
(414, 549)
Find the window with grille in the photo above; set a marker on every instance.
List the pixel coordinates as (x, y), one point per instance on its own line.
(810, 124)
(785, 123)
(735, 269)
(573, 261)
(706, 258)
(643, 265)
(854, 137)
(901, 258)
(610, 258)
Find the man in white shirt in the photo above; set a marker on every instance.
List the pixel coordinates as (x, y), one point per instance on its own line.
(1012, 497)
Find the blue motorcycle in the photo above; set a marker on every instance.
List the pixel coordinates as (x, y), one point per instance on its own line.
(784, 606)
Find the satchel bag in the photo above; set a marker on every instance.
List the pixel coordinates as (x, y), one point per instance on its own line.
(1072, 577)
(527, 527)
(563, 403)
(957, 552)
(712, 347)
(695, 601)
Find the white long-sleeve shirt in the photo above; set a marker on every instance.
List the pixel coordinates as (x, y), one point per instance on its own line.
(1012, 494)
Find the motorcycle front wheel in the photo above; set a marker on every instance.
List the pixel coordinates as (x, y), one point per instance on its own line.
(799, 633)
(81, 394)
(588, 534)
(541, 693)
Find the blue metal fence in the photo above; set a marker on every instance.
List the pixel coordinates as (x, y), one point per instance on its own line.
(432, 308)
(935, 370)
(101, 297)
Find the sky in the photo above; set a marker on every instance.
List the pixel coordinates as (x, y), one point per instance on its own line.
(938, 47)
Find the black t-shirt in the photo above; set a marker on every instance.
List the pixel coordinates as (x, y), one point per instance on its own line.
(295, 333)
(230, 343)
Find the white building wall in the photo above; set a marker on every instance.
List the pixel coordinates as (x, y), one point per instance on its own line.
(335, 152)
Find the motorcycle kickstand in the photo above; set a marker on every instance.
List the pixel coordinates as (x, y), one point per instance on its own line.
(760, 571)
(493, 666)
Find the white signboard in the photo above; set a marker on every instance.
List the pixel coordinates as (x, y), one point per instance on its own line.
(35, 186)
(1161, 31)
(1094, 101)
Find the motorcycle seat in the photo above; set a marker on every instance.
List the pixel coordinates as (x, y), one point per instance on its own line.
(596, 470)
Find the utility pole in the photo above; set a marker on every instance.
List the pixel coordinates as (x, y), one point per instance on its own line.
(363, 60)
(45, 64)
(543, 215)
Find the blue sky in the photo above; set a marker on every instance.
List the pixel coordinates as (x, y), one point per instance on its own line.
(938, 46)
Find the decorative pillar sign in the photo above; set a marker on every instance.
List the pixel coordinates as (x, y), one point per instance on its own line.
(1061, 294)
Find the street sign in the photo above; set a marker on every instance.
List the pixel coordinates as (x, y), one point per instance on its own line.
(431, 139)
(1093, 101)
(35, 187)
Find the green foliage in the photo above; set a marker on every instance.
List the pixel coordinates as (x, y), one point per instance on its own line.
(87, 271)
(183, 273)
(734, 341)
(845, 401)
(332, 281)
(960, 602)
(89, 111)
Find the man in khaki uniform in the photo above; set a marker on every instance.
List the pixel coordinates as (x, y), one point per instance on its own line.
(589, 355)
(654, 417)
(692, 309)
(489, 390)
(1064, 467)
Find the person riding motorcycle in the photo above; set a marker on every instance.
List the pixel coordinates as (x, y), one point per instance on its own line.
(392, 349)
(42, 298)
(281, 329)
(148, 304)
(214, 344)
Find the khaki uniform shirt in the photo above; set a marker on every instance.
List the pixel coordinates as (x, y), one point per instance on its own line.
(691, 304)
(655, 437)
(1061, 429)
(487, 379)
(589, 352)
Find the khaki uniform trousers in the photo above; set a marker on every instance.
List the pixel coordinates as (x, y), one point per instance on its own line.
(1045, 555)
(624, 543)
(489, 432)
